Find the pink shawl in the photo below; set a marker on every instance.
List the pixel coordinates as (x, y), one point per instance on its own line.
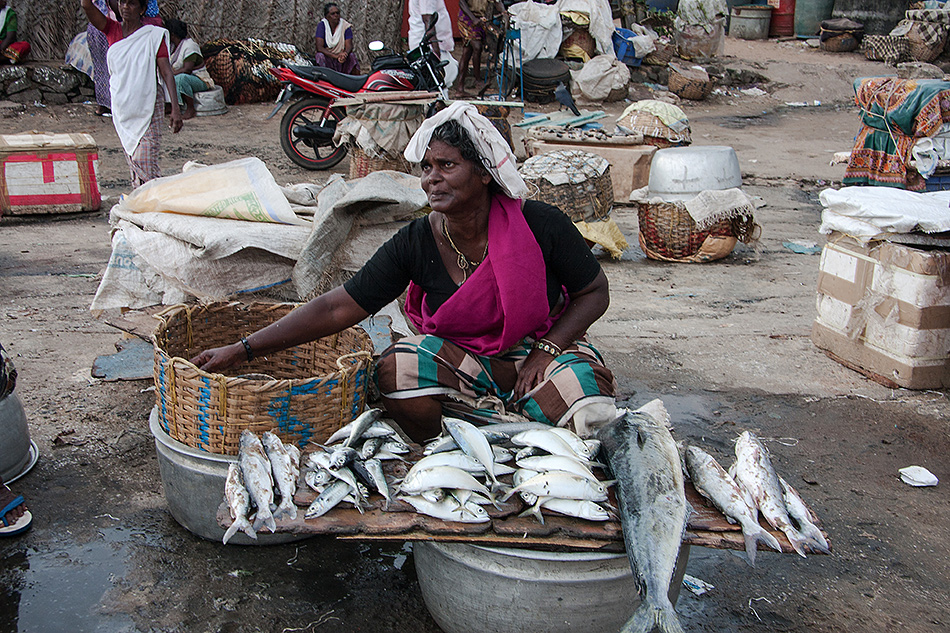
(503, 301)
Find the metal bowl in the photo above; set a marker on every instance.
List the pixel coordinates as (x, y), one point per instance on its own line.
(194, 489)
(679, 173)
(474, 589)
(17, 452)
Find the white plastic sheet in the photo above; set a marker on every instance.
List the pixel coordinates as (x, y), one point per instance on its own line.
(867, 213)
(540, 26)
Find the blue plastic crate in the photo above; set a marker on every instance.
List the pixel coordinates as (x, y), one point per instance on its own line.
(623, 47)
(937, 182)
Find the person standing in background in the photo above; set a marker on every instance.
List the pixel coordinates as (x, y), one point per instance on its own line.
(138, 52)
(420, 14)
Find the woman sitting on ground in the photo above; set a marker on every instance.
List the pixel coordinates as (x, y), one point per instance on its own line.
(11, 51)
(188, 66)
(334, 40)
(138, 53)
(502, 291)
(14, 516)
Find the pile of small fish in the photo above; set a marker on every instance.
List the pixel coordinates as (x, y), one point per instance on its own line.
(749, 487)
(445, 483)
(554, 472)
(264, 465)
(345, 471)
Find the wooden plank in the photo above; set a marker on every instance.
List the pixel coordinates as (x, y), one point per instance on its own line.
(706, 525)
(386, 97)
(139, 323)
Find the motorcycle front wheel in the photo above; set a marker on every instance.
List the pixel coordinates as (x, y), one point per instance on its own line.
(307, 152)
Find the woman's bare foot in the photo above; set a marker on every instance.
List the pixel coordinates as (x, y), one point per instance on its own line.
(188, 112)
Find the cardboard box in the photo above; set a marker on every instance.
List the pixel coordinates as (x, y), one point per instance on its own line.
(48, 173)
(884, 310)
(629, 164)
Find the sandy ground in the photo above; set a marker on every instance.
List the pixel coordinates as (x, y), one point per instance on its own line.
(726, 345)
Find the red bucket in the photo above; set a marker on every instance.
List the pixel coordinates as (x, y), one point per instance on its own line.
(783, 18)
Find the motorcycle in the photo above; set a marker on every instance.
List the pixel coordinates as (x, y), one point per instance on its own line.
(308, 125)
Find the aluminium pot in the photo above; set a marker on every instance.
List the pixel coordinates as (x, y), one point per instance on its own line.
(16, 450)
(194, 489)
(475, 589)
(681, 173)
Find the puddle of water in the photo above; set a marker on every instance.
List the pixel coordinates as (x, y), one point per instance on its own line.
(60, 589)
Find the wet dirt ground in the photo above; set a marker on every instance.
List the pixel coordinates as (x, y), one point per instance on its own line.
(726, 346)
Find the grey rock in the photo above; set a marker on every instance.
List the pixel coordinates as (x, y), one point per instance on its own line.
(54, 79)
(9, 109)
(11, 73)
(19, 86)
(919, 70)
(54, 98)
(27, 96)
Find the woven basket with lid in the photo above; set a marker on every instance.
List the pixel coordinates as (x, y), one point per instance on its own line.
(303, 393)
(576, 182)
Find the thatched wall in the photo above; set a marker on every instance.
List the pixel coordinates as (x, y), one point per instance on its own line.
(49, 25)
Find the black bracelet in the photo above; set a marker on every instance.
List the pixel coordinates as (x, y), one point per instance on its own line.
(247, 348)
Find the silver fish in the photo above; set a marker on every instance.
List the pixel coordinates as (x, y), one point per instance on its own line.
(441, 477)
(641, 454)
(370, 447)
(581, 447)
(501, 455)
(546, 440)
(361, 423)
(448, 509)
(375, 469)
(396, 447)
(318, 479)
(580, 508)
(797, 509)
(714, 483)
(294, 451)
(456, 459)
(754, 471)
(564, 485)
(322, 460)
(328, 499)
(341, 455)
(239, 503)
(473, 443)
(255, 467)
(519, 477)
(544, 463)
(284, 473)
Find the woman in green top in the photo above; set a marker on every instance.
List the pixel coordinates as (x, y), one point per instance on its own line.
(11, 51)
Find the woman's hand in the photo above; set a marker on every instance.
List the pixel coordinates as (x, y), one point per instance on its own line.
(220, 358)
(532, 372)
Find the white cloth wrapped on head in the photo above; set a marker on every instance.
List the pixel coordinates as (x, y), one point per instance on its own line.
(497, 156)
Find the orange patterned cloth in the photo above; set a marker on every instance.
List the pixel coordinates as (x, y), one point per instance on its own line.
(895, 112)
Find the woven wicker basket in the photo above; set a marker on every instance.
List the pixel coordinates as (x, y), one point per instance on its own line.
(668, 233)
(661, 56)
(302, 393)
(840, 43)
(654, 131)
(920, 50)
(689, 82)
(588, 196)
(362, 164)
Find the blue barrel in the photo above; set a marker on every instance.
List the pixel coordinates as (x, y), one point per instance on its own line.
(663, 5)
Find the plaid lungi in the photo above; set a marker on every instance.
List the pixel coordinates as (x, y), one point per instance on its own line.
(143, 163)
(426, 365)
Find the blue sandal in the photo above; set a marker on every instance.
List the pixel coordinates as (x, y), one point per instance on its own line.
(20, 525)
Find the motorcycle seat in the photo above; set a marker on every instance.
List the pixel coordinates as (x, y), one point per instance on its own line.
(350, 83)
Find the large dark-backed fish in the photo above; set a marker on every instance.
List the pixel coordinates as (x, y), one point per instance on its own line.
(642, 457)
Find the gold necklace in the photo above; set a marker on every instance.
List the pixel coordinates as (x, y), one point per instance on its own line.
(463, 262)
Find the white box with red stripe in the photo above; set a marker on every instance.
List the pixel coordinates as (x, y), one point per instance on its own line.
(48, 173)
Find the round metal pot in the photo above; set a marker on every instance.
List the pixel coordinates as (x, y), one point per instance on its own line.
(194, 489)
(475, 589)
(15, 446)
(679, 173)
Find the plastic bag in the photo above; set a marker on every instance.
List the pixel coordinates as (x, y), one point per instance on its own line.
(540, 26)
(601, 76)
(239, 190)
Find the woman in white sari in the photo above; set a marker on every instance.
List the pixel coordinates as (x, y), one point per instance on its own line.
(138, 54)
